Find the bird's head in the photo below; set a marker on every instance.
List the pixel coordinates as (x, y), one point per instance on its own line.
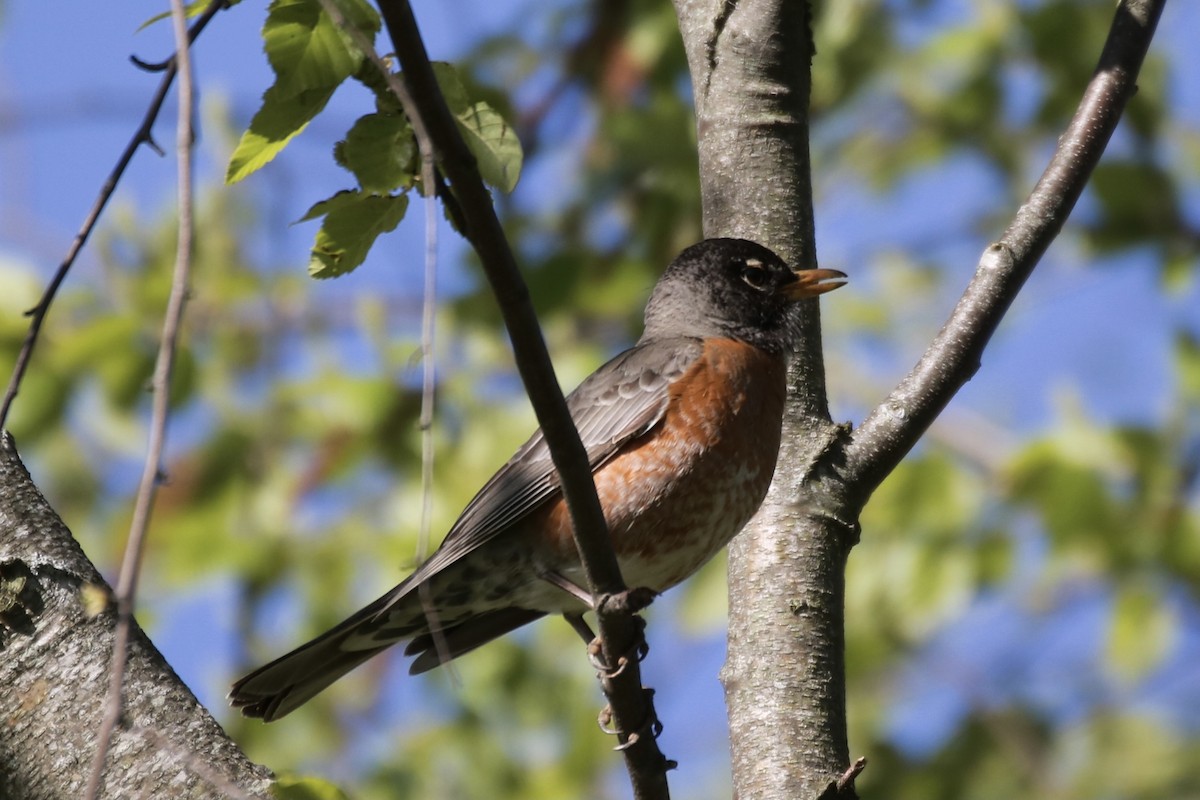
(736, 289)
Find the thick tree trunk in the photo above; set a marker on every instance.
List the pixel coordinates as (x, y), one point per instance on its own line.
(55, 655)
(784, 678)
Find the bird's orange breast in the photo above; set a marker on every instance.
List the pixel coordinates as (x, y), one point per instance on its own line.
(676, 495)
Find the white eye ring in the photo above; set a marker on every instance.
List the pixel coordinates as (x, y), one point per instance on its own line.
(753, 273)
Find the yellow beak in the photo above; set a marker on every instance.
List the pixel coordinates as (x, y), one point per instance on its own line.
(814, 282)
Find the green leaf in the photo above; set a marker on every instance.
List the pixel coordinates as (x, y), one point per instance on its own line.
(452, 87)
(380, 151)
(371, 77)
(275, 124)
(353, 220)
(491, 140)
(311, 57)
(494, 144)
(307, 50)
(1139, 203)
(289, 787)
(1187, 365)
(1141, 634)
(190, 10)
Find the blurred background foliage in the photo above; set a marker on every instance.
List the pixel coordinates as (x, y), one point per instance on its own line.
(1022, 611)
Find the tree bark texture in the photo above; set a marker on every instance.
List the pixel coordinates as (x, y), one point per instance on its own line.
(784, 676)
(56, 640)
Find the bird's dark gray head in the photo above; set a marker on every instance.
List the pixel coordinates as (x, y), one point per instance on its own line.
(734, 289)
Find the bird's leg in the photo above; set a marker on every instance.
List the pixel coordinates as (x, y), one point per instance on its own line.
(595, 651)
(580, 626)
(576, 621)
(569, 586)
(630, 601)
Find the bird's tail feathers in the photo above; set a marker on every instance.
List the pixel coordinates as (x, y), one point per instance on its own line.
(285, 684)
(280, 687)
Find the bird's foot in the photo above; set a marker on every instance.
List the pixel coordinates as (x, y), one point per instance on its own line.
(630, 601)
(636, 652)
(651, 725)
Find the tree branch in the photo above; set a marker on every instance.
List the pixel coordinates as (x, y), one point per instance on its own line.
(143, 135)
(57, 627)
(161, 386)
(892, 429)
(632, 709)
(784, 676)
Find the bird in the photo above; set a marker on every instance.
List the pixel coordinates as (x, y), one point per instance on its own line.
(682, 433)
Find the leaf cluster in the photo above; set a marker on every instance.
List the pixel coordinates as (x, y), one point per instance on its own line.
(312, 56)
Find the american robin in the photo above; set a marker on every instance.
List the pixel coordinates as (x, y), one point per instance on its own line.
(682, 432)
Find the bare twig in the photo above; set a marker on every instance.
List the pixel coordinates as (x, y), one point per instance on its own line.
(428, 356)
(426, 109)
(143, 135)
(426, 148)
(894, 427)
(428, 378)
(852, 772)
(161, 385)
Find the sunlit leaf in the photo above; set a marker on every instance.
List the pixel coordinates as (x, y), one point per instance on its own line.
(277, 121)
(288, 787)
(307, 50)
(379, 149)
(491, 140)
(353, 220)
(1141, 633)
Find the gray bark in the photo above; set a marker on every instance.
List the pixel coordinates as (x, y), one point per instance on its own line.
(54, 673)
(784, 677)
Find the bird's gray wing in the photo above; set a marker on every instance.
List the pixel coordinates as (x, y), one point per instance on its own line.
(620, 401)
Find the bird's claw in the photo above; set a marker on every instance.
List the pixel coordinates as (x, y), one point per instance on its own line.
(630, 601)
(651, 724)
(637, 651)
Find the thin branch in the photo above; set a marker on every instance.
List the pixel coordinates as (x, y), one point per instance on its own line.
(428, 375)
(162, 66)
(428, 357)
(428, 307)
(619, 628)
(143, 135)
(161, 386)
(952, 359)
(851, 773)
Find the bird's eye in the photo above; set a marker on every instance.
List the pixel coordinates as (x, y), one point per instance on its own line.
(754, 275)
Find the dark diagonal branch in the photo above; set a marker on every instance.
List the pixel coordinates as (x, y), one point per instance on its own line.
(952, 359)
(162, 66)
(161, 385)
(631, 707)
(143, 135)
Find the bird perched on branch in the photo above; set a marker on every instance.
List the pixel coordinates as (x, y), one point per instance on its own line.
(682, 433)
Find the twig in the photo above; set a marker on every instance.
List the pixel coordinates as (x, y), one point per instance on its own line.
(143, 135)
(162, 66)
(852, 772)
(619, 630)
(161, 385)
(426, 149)
(428, 357)
(894, 427)
(428, 378)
